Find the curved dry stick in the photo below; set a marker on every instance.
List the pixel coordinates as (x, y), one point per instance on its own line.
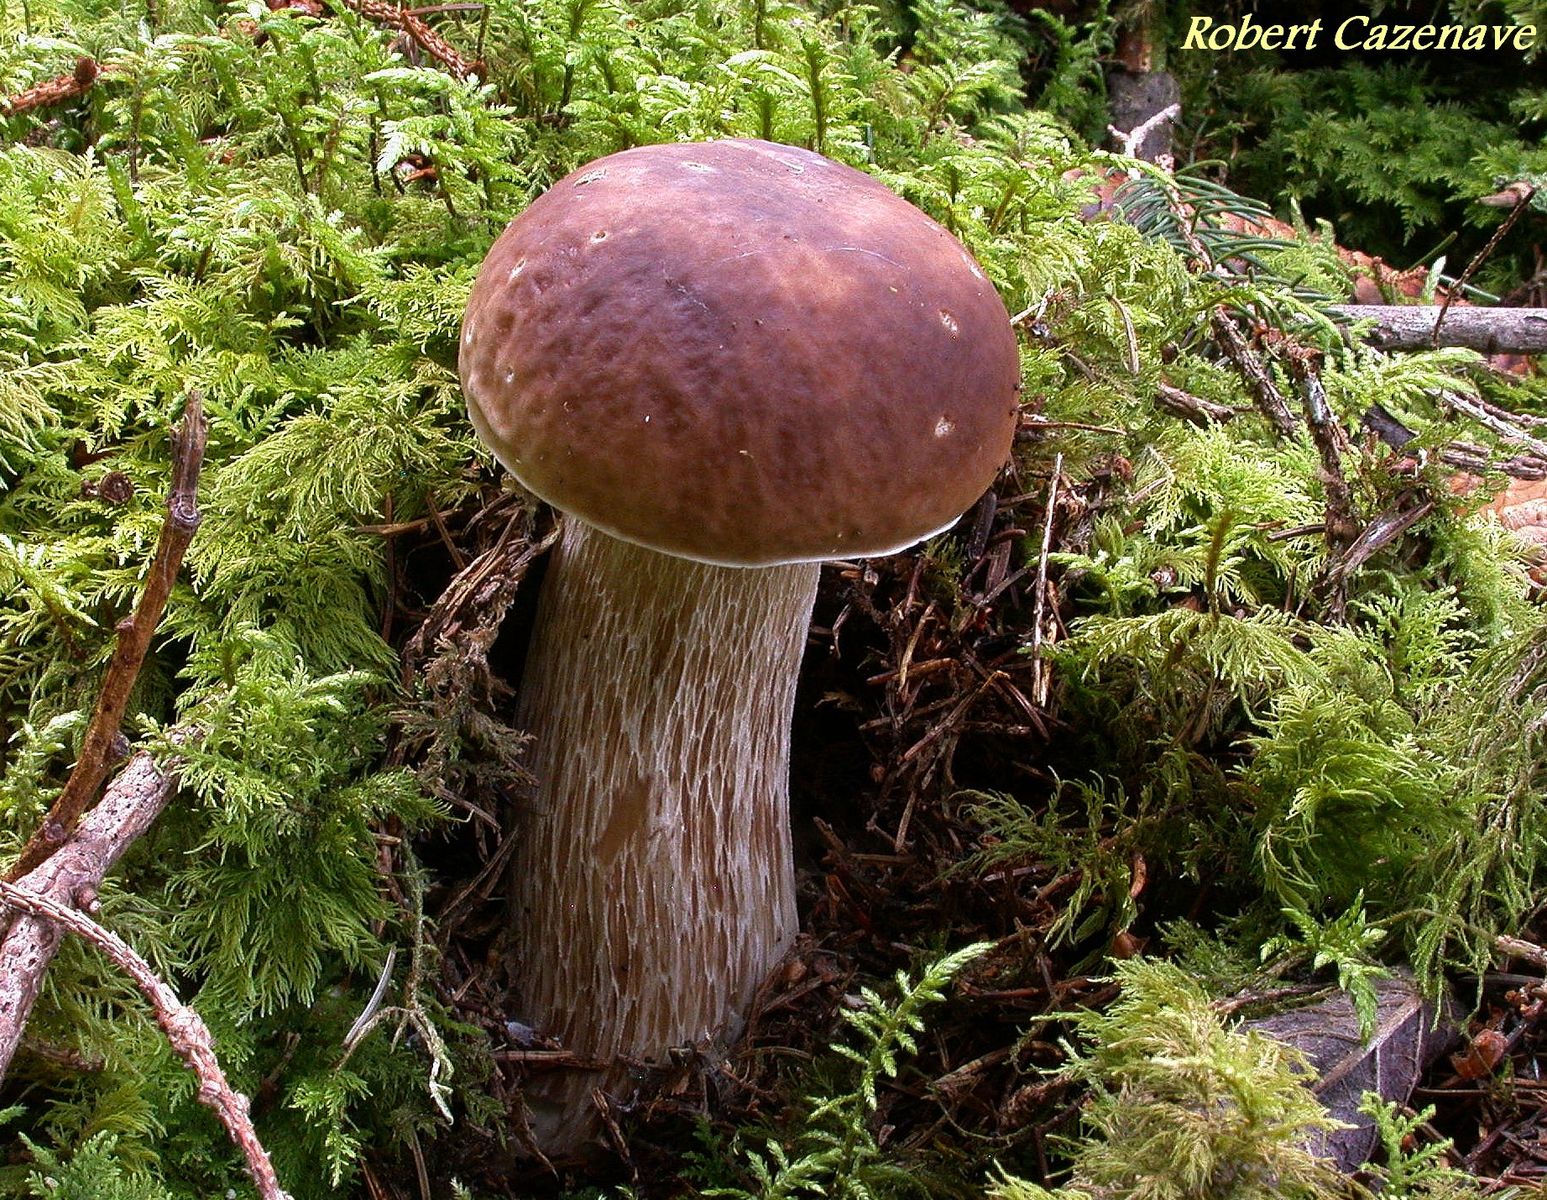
(72, 876)
(1128, 142)
(53, 91)
(412, 24)
(184, 1029)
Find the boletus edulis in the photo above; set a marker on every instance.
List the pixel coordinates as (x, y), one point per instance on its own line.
(723, 363)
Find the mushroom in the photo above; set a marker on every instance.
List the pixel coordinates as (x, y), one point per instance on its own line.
(723, 363)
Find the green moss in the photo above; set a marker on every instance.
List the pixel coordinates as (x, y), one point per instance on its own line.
(241, 206)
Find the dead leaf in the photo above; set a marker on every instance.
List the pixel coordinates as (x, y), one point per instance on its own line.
(1481, 1056)
(1405, 1041)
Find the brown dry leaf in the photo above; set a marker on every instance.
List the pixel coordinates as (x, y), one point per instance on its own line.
(1409, 1035)
(1522, 506)
(1481, 1056)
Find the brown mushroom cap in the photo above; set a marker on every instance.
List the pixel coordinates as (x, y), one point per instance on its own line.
(741, 353)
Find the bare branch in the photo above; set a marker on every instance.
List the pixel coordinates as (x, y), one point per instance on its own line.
(1522, 202)
(1127, 142)
(1385, 529)
(414, 26)
(1192, 408)
(1507, 425)
(99, 748)
(1514, 947)
(1331, 444)
(1340, 526)
(72, 876)
(1254, 373)
(184, 1029)
(1465, 456)
(1042, 679)
(53, 91)
(476, 600)
(1415, 327)
(1265, 394)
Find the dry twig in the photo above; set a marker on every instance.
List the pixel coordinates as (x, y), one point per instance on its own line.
(1513, 947)
(100, 747)
(1465, 456)
(184, 1029)
(1522, 202)
(1386, 528)
(71, 877)
(53, 91)
(1505, 424)
(1342, 525)
(415, 26)
(1042, 676)
(1192, 408)
(1265, 394)
(1417, 327)
(1254, 373)
(474, 603)
(1128, 143)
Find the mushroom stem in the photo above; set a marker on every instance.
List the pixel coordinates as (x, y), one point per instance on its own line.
(653, 876)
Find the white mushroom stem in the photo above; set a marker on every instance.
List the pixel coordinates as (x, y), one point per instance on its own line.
(654, 881)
